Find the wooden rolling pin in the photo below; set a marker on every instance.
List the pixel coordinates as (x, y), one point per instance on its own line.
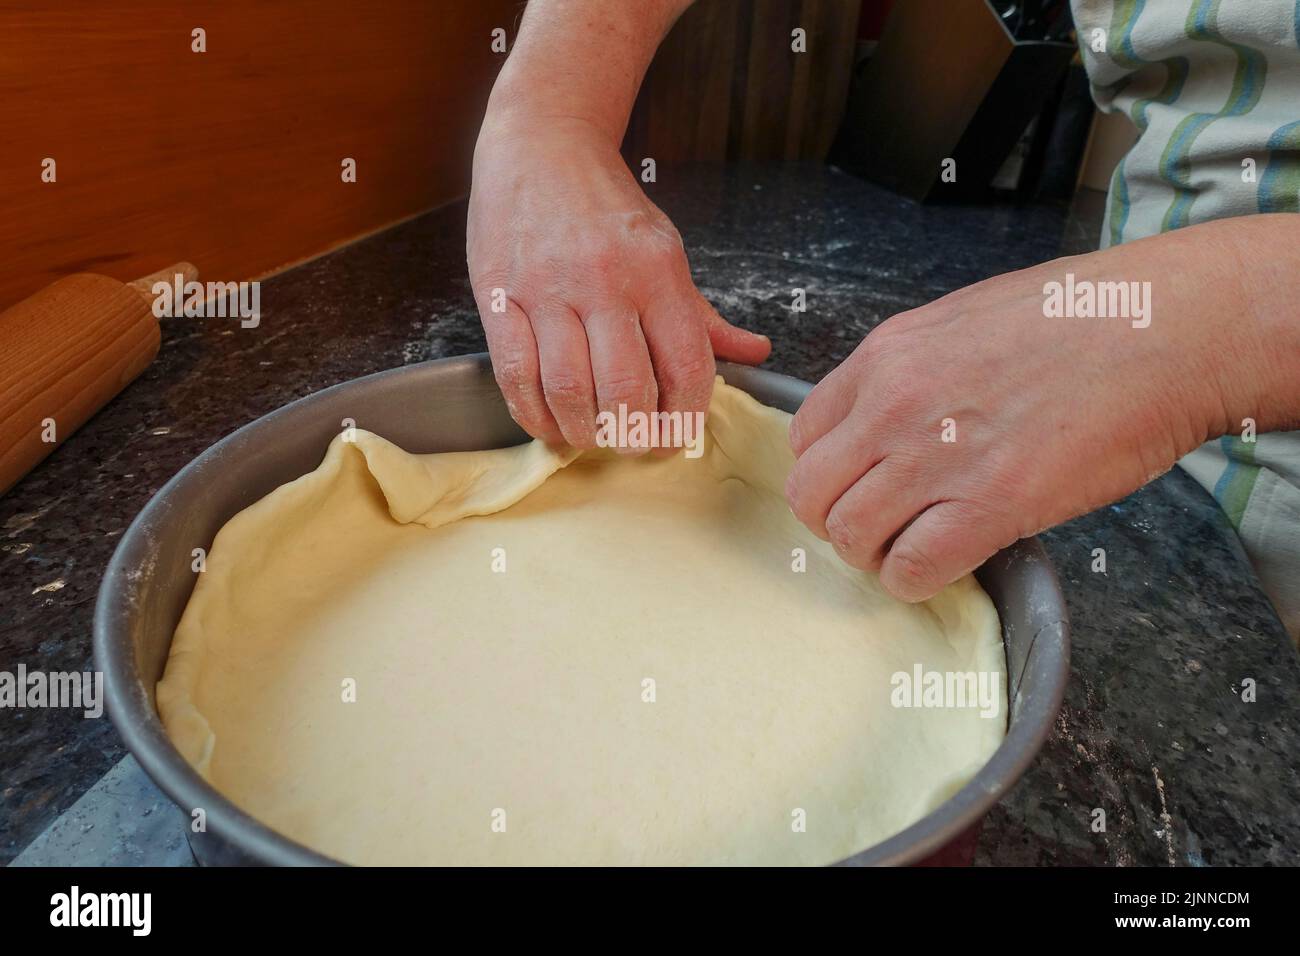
(64, 353)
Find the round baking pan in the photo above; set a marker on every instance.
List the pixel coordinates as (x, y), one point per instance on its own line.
(454, 405)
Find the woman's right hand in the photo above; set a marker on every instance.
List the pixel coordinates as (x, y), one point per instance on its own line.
(583, 286)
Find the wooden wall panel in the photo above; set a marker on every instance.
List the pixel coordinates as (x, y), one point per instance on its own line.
(727, 86)
(229, 158)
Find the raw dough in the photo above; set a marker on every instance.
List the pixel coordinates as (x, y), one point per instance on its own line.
(520, 698)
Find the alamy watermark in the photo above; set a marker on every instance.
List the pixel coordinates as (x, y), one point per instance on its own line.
(1085, 299)
(133, 911)
(208, 300)
(948, 690)
(637, 429)
(70, 689)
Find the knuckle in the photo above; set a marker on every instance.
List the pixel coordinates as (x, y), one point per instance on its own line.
(878, 343)
(843, 536)
(486, 275)
(794, 494)
(915, 566)
(602, 258)
(887, 344)
(650, 227)
(796, 434)
(896, 395)
(689, 380)
(530, 415)
(801, 502)
(515, 374)
(576, 427)
(627, 388)
(567, 392)
(665, 251)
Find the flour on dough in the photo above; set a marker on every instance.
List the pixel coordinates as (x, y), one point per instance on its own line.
(564, 658)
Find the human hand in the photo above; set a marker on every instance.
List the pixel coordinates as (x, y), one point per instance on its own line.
(1050, 417)
(594, 305)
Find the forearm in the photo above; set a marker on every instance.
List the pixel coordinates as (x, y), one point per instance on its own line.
(581, 60)
(1235, 285)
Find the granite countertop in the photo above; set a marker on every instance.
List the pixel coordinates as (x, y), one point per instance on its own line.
(1154, 729)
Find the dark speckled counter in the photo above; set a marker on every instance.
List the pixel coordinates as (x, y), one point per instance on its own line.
(1155, 730)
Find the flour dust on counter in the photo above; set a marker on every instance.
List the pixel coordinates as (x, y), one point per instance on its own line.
(539, 656)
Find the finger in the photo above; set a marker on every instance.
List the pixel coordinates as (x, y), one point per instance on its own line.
(679, 351)
(827, 470)
(948, 540)
(867, 517)
(518, 370)
(620, 362)
(567, 382)
(731, 343)
(826, 406)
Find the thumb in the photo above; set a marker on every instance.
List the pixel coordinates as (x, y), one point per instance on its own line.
(734, 344)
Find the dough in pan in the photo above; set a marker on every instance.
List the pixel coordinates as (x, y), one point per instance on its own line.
(558, 658)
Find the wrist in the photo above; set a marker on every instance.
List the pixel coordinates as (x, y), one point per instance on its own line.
(1207, 338)
(1233, 278)
(515, 111)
